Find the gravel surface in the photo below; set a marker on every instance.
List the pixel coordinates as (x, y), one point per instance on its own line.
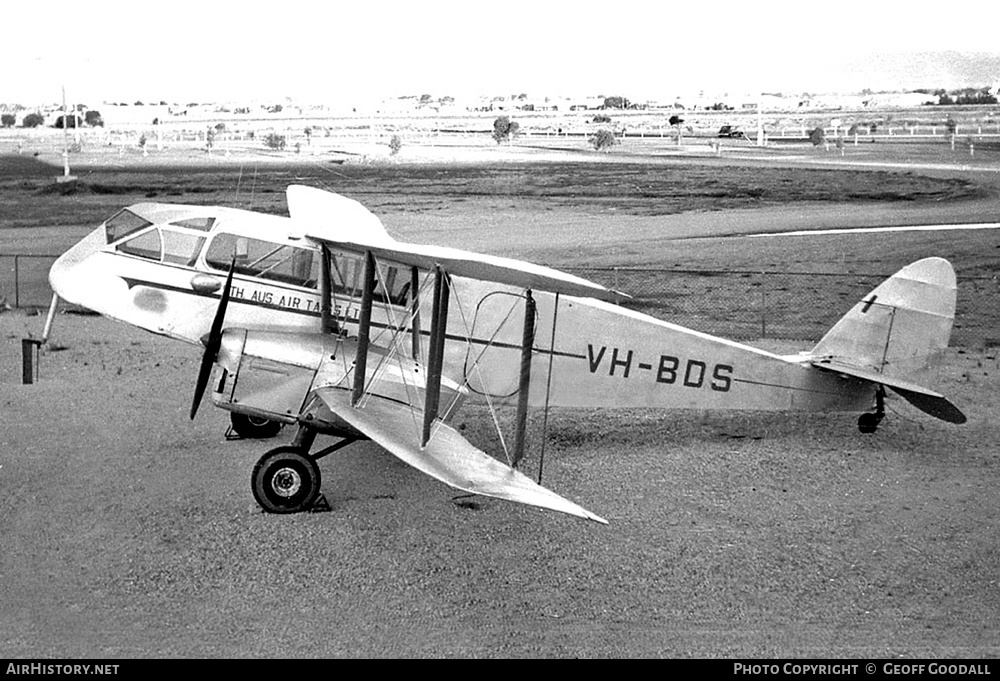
(129, 531)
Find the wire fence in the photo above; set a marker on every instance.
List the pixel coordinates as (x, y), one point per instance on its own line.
(741, 305)
(745, 305)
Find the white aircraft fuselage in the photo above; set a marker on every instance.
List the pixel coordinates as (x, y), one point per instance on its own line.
(166, 276)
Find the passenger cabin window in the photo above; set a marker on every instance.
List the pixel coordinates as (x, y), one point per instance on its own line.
(265, 259)
(347, 272)
(123, 223)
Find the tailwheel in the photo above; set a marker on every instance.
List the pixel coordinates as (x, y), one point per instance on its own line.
(253, 427)
(285, 480)
(869, 422)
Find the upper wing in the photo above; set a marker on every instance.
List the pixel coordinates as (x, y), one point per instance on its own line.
(925, 400)
(476, 266)
(448, 456)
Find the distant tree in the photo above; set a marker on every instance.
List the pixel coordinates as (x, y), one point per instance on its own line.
(676, 121)
(93, 119)
(603, 139)
(8, 120)
(395, 144)
(71, 121)
(616, 102)
(602, 118)
(33, 120)
(275, 141)
(504, 129)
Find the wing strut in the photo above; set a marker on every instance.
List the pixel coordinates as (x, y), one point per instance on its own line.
(364, 328)
(527, 342)
(439, 325)
(548, 389)
(327, 322)
(415, 310)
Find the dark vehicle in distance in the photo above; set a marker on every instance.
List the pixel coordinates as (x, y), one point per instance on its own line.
(732, 132)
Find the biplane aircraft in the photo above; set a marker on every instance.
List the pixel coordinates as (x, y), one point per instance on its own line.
(323, 321)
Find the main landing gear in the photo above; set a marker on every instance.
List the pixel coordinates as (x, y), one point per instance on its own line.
(869, 422)
(287, 479)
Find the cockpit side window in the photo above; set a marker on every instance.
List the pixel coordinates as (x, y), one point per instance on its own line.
(264, 259)
(181, 248)
(145, 245)
(123, 223)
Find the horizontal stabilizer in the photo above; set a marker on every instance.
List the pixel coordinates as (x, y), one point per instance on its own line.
(936, 406)
(447, 457)
(923, 399)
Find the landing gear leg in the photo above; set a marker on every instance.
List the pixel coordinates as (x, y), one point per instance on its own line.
(869, 422)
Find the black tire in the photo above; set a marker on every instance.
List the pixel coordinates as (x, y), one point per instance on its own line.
(254, 427)
(285, 480)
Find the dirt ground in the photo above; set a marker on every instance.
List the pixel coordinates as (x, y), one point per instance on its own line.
(130, 532)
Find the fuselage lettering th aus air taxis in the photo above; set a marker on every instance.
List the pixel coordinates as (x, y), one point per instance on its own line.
(668, 369)
(286, 301)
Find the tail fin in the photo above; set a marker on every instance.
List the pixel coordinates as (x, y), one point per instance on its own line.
(895, 331)
(897, 328)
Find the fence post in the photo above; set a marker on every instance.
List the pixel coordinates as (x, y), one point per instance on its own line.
(17, 284)
(29, 350)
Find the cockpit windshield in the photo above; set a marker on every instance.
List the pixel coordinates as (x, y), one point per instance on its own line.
(123, 223)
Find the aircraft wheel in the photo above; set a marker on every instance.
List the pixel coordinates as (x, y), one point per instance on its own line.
(868, 422)
(254, 427)
(285, 480)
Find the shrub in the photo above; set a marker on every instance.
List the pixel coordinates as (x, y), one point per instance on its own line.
(33, 120)
(603, 139)
(274, 141)
(395, 144)
(504, 129)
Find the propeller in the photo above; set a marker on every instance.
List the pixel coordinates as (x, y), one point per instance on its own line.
(212, 343)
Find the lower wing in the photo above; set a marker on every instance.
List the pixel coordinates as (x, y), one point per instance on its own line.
(448, 456)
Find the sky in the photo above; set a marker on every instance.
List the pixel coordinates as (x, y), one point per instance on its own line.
(367, 50)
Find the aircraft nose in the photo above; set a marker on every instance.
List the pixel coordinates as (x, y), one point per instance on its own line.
(63, 275)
